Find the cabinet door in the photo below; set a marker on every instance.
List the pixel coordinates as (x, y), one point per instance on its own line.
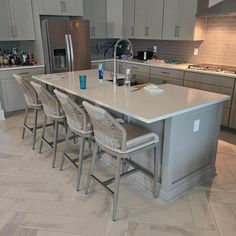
(6, 24)
(22, 19)
(141, 19)
(154, 19)
(171, 19)
(114, 18)
(98, 20)
(128, 18)
(232, 120)
(12, 96)
(73, 7)
(52, 7)
(187, 19)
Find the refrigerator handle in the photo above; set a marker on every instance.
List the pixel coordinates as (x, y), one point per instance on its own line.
(71, 52)
(68, 52)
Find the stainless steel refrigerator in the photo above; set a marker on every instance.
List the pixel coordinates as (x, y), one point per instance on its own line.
(66, 45)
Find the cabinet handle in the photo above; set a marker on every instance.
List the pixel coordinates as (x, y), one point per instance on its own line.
(63, 6)
(166, 73)
(12, 32)
(178, 29)
(23, 73)
(15, 31)
(147, 30)
(132, 31)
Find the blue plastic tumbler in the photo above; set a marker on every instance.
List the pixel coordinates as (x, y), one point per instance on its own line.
(82, 80)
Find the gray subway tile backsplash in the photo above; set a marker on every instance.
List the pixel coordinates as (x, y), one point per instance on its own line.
(219, 46)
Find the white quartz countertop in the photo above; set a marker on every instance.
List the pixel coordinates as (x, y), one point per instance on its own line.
(183, 67)
(139, 104)
(20, 67)
(139, 62)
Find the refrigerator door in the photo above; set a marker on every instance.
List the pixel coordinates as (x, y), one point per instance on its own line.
(53, 32)
(79, 40)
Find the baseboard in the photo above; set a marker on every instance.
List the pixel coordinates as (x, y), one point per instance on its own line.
(2, 117)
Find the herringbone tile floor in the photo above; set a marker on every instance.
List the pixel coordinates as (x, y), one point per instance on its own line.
(36, 200)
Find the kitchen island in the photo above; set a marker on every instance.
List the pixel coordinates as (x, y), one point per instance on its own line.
(186, 120)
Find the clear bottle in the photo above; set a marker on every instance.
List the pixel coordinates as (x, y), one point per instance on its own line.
(127, 78)
(100, 72)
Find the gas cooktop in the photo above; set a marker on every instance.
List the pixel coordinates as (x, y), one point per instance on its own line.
(215, 68)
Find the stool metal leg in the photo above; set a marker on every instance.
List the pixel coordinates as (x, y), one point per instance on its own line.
(55, 144)
(156, 174)
(43, 133)
(116, 189)
(80, 166)
(25, 121)
(65, 148)
(35, 127)
(92, 163)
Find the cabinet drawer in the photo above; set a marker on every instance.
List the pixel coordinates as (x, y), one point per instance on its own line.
(135, 68)
(166, 80)
(211, 88)
(21, 72)
(178, 74)
(210, 79)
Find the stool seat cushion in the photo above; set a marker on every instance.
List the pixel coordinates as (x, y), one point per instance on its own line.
(137, 136)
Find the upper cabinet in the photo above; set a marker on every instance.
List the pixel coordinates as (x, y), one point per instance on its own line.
(61, 7)
(96, 12)
(180, 21)
(115, 18)
(17, 20)
(148, 19)
(128, 18)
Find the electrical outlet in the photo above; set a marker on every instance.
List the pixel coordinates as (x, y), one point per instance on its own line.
(195, 51)
(154, 48)
(196, 126)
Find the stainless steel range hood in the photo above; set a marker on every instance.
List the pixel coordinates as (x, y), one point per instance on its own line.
(224, 8)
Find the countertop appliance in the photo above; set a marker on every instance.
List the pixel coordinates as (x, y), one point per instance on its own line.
(66, 45)
(215, 68)
(144, 55)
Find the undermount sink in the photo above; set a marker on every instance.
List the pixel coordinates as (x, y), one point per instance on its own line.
(121, 82)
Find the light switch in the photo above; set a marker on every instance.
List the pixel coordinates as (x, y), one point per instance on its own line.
(196, 126)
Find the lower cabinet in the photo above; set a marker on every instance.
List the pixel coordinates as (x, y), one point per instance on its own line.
(215, 84)
(11, 96)
(166, 76)
(232, 120)
(138, 72)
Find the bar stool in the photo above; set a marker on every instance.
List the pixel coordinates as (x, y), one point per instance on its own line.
(79, 123)
(33, 102)
(52, 109)
(121, 142)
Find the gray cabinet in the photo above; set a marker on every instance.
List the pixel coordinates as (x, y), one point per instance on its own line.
(180, 21)
(61, 7)
(16, 20)
(148, 19)
(96, 12)
(166, 76)
(11, 96)
(212, 83)
(6, 22)
(128, 18)
(114, 18)
(232, 120)
(138, 72)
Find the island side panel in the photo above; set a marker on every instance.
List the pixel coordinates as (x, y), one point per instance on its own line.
(188, 156)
